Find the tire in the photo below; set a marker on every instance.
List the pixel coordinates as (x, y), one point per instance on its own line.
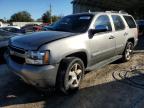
(128, 52)
(70, 75)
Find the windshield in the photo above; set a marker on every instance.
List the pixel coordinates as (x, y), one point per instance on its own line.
(73, 23)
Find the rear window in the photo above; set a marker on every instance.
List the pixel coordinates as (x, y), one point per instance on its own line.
(130, 21)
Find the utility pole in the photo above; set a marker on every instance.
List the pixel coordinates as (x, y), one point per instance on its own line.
(50, 14)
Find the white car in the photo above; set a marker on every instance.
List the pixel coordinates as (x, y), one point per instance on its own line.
(17, 27)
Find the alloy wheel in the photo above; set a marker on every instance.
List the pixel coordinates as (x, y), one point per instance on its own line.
(75, 75)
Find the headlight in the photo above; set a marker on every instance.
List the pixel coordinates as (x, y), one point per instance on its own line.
(37, 57)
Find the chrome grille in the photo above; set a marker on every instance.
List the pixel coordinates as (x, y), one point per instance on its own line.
(17, 54)
(18, 50)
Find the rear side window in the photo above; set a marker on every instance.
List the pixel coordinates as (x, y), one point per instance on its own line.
(118, 22)
(130, 21)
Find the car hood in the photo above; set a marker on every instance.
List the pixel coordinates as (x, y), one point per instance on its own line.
(35, 40)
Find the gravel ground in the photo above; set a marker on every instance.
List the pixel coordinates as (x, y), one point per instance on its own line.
(118, 85)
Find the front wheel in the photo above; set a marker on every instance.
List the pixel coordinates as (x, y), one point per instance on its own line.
(128, 52)
(70, 74)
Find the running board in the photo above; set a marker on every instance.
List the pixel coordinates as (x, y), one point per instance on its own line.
(103, 63)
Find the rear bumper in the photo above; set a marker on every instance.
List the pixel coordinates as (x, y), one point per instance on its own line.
(136, 41)
(39, 76)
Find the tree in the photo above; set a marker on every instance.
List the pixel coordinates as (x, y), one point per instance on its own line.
(46, 17)
(1, 20)
(22, 16)
(55, 18)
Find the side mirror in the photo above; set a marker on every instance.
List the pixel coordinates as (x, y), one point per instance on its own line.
(98, 29)
(101, 28)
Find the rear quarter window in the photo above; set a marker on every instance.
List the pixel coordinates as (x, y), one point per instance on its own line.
(130, 21)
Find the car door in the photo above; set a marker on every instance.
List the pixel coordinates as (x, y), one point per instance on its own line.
(120, 33)
(103, 43)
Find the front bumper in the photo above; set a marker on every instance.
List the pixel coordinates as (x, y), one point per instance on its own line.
(39, 76)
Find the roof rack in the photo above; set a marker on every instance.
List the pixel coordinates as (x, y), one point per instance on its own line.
(121, 12)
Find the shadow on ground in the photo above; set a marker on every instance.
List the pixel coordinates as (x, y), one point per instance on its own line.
(122, 92)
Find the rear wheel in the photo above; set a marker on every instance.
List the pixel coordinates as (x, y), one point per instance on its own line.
(70, 75)
(128, 52)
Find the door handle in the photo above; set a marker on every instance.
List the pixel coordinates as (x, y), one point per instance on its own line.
(111, 37)
(125, 34)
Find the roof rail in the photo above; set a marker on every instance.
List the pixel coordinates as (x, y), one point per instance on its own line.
(111, 11)
(121, 11)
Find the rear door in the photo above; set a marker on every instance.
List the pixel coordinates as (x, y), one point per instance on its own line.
(120, 33)
(102, 44)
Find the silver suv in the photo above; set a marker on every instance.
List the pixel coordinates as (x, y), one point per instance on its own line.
(75, 44)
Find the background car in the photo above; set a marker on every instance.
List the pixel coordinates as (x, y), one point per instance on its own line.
(40, 27)
(4, 37)
(141, 27)
(48, 27)
(29, 27)
(13, 29)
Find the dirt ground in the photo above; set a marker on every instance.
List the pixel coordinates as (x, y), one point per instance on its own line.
(117, 85)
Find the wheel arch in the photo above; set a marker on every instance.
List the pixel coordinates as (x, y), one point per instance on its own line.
(82, 55)
(131, 40)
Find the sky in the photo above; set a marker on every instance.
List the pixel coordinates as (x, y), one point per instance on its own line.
(35, 7)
